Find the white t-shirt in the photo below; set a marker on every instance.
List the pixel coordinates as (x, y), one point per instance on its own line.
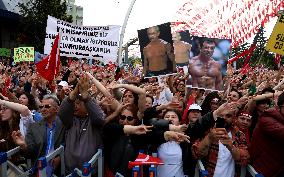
(24, 122)
(171, 154)
(225, 166)
(165, 97)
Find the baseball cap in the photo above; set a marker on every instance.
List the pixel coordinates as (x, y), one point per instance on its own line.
(194, 107)
(63, 83)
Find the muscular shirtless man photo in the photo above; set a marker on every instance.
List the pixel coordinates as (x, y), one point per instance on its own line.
(204, 70)
(156, 55)
(182, 52)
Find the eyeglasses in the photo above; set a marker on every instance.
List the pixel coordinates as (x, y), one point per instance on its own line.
(123, 117)
(47, 106)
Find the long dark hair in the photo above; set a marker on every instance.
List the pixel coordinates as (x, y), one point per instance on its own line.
(134, 106)
(31, 101)
(6, 129)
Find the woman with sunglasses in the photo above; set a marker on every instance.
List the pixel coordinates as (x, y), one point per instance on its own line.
(124, 137)
(121, 143)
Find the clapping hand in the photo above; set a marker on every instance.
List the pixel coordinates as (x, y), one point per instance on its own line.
(84, 86)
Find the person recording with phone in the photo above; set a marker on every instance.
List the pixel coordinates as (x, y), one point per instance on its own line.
(225, 147)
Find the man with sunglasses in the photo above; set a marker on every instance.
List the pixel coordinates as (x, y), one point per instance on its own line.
(44, 136)
(83, 119)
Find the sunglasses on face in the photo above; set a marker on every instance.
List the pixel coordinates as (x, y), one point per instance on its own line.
(47, 106)
(123, 117)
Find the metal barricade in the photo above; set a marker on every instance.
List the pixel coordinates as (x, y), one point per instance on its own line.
(43, 162)
(88, 167)
(5, 163)
(118, 175)
(200, 170)
(251, 171)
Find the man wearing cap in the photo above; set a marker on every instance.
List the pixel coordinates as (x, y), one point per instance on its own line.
(62, 90)
(268, 141)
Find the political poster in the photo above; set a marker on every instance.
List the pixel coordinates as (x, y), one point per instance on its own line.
(276, 40)
(207, 62)
(157, 52)
(5, 52)
(24, 54)
(83, 41)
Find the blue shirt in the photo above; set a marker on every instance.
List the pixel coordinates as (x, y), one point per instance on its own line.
(49, 146)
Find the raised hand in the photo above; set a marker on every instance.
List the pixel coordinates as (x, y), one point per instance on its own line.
(138, 130)
(178, 128)
(176, 136)
(84, 86)
(18, 138)
(122, 107)
(73, 95)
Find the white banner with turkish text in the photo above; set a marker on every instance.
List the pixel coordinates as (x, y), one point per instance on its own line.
(83, 41)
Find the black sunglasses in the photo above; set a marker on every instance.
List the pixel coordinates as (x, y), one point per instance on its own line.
(123, 117)
(47, 106)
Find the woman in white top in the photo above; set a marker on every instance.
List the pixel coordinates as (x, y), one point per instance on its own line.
(171, 152)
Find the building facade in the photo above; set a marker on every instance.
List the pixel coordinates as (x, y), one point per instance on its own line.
(75, 11)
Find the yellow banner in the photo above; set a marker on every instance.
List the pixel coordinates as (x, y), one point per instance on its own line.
(276, 40)
(24, 54)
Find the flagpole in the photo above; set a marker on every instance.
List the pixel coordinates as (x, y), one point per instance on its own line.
(119, 59)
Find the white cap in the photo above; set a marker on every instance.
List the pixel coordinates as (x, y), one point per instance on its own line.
(63, 83)
(194, 107)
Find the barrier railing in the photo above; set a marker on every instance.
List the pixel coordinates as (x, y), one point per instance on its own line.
(42, 162)
(251, 171)
(4, 160)
(5, 163)
(200, 170)
(88, 167)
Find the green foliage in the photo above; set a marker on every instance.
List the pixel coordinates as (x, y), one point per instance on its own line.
(134, 60)
(33, 23)
(259, 55)
(238, 50)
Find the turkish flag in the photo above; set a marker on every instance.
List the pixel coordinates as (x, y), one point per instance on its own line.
(48, 67)
(143, 159)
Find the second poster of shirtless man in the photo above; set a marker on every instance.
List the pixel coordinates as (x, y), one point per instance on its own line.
(157, 50)
(205, 59)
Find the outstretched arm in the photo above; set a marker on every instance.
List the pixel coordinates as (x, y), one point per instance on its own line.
(22, 109)
(104, 91)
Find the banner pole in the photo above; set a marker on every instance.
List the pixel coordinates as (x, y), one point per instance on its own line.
(119, 58)
(80, 64)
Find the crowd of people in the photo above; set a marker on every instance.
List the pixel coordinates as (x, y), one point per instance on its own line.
(91, 107)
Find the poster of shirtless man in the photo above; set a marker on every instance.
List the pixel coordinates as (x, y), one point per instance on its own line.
(207, 64)
(157, 50)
